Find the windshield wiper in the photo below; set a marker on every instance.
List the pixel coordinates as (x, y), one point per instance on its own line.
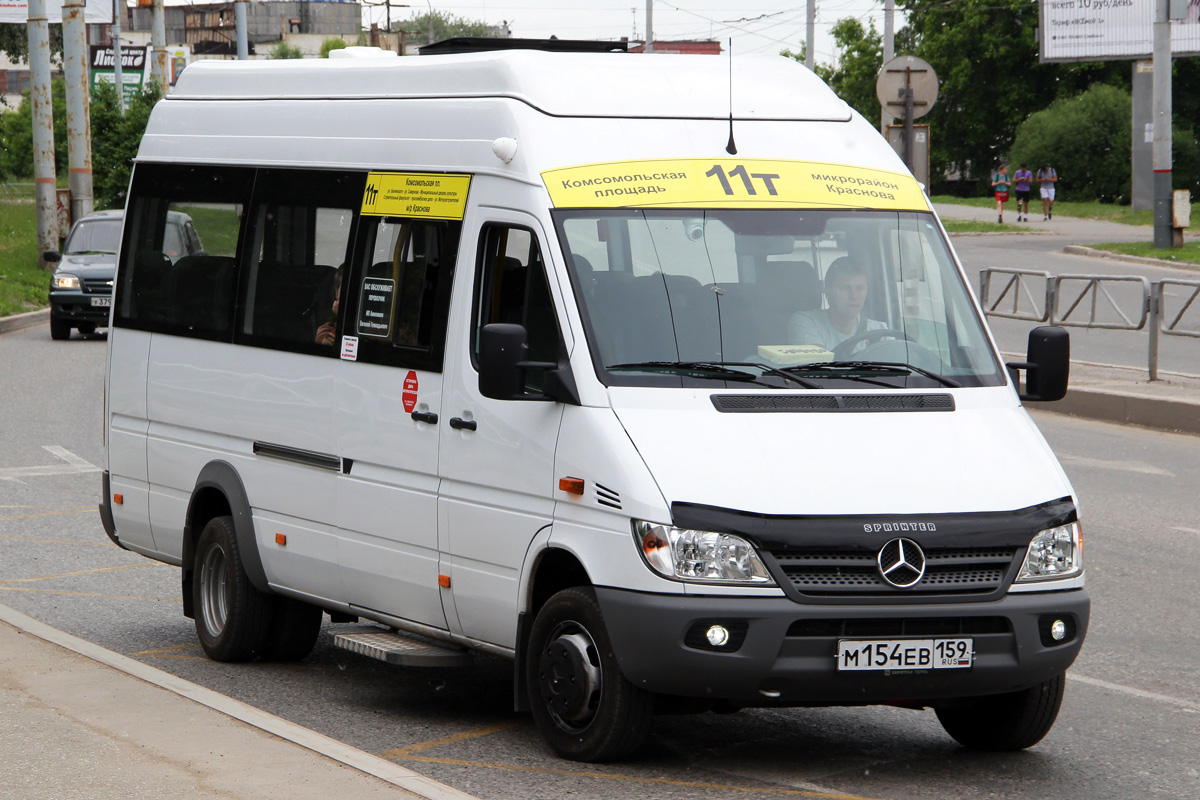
(877, 366)
(720, 368)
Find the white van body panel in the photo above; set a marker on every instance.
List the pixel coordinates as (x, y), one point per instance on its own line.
(970, 459)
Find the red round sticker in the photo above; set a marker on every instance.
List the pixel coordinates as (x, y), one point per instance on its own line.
(409, 397)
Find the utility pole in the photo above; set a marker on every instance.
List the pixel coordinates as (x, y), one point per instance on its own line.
(158, 45)
(118, 12)
(810, 32)
(79, 127)
(1162, 124)
(649, 26)
(239, 18)
(44, 181)
(430, 21)
(889, 51)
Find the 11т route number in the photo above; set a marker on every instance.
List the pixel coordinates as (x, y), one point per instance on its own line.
(747, 178)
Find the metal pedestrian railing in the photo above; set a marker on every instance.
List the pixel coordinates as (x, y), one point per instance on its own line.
(1114, 302)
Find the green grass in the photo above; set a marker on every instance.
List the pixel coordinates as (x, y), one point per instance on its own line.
(24, 286)
(970, 226)
(1188, 254)
(1064, 208)
(217, 226)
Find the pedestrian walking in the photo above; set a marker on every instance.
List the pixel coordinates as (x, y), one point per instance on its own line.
(1000, 185)
(1046, 178)
(1023, 184)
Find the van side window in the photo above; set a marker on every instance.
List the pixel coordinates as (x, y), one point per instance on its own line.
(300, 234)
(178, 271)
(511, 287)
(400, 293)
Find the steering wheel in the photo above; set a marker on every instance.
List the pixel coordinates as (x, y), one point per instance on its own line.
(844, 349)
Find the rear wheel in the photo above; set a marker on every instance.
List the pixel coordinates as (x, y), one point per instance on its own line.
(584, 707)
(1006, 721)
(60, 329)
(233, 618)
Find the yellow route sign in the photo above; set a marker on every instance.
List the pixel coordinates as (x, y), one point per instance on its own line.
(731, 183)
(428, 195)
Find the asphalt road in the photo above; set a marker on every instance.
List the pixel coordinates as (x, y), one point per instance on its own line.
(1128, 727)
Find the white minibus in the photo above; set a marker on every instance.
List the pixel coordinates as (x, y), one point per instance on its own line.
(655, 374)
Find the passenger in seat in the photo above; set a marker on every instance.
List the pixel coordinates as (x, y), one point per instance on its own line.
(846, 293)
(327, 333)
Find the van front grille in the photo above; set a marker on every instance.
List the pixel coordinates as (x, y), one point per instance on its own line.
(849, 573)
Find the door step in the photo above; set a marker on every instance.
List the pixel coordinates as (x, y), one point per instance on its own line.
(400, 648)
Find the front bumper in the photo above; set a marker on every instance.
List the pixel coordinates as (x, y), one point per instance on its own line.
(788, 654)
(77, 307)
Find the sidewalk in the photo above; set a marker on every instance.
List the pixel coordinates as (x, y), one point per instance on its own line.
(1125, 395)
(78, 722)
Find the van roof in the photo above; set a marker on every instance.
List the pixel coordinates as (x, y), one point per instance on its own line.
(650, 86)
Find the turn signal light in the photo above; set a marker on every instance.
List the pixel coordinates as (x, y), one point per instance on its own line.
(444, 581)
(119, 499)
(281, 538)
(571, 485)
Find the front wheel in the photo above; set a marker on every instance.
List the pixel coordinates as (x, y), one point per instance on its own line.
(233, 619)
(584, 707)
(60, 329)
(1012, 721)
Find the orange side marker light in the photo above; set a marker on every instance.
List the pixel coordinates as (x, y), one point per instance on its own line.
(571, 485)
(444, 581)
(119, 499)
(281, 538)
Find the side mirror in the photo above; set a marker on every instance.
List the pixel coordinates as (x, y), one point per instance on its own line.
(503, 349)
(1047, 365)
(51, 257)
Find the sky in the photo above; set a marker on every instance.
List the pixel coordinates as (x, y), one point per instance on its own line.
(762, 27)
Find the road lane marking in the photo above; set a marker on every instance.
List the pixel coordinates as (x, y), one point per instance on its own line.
(105, 544)
(409, 753)
(1122, 466)
(1133, 692)
(27, 590)
(77, 574)
(74, 465)
(1186, 530)
(50, 514)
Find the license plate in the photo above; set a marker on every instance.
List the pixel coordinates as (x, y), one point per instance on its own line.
(101, 302)
(904, 654)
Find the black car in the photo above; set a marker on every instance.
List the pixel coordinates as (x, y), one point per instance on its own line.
(82, 286)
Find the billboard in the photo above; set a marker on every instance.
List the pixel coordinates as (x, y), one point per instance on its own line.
(97, 11)
(1111, 30)
(134, 61)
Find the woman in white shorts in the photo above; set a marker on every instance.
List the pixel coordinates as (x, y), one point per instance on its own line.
(1046, 178)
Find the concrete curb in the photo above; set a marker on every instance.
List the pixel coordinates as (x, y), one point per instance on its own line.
(318, 743)
(18, 321)
(1081, 250)
(1159, 413)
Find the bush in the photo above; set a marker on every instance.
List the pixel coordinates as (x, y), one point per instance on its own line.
(16, 134)
(285, 50)
(1086, 139)
(331, 44)
(115, 140)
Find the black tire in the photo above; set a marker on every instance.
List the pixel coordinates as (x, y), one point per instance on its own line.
(233, 619)
(583, 705)
(294, 630)
(59, 329)
(87, 328)
(1006, 721)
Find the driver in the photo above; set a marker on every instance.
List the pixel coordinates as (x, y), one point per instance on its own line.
(846, 292)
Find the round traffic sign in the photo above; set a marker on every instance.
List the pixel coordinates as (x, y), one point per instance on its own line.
(901, 73)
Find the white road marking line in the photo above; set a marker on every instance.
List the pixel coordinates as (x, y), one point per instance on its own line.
(1186, 530)
(1129, 690)
(1123, 466)
(74, 465)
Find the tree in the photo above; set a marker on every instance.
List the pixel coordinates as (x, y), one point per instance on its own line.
(285, 50)
(16, 133)
(860, 56)
(329, 45)
(445, 26)
(115, 140)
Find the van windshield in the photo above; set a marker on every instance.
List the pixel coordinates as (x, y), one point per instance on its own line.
(787, 298)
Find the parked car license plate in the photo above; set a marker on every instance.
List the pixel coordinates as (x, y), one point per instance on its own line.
(904, 654)
(104, 302)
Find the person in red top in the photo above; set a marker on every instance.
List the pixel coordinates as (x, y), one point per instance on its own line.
(1023, 183)
(1000, 186)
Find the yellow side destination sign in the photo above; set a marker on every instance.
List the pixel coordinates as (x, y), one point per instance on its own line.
(429, 195)
(731, 183)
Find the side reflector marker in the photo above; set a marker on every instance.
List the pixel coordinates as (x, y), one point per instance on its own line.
(571, 485)
(281, 539)
(444, 581)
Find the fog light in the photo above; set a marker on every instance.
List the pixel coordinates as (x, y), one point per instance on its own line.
(1058, 630)
(717, 635)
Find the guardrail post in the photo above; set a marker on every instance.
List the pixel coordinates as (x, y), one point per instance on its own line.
(1155, 301)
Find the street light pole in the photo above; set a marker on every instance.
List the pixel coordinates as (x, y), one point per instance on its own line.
(1162, 124)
